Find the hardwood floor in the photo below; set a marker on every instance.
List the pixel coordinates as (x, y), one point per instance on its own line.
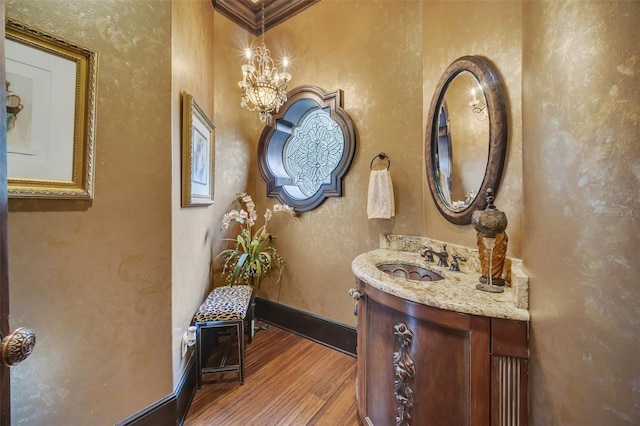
(289, 380)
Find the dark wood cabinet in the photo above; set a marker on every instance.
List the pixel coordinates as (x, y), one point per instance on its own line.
(420, 365)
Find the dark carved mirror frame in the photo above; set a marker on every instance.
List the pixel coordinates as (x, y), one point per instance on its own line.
(489, 81)
(303, 102)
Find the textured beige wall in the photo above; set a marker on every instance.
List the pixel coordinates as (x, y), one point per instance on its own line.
(491, 29)
(582, 212)
(204, 43)
(192, 71)
(379, 71)
(236, 131)
(93, 279)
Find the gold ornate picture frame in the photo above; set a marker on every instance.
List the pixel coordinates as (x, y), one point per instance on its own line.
(51, 113)
(198, 154)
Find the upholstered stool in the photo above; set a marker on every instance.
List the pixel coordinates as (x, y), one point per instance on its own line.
(226, 306)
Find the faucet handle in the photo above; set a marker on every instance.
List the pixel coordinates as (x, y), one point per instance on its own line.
(427, 253)
(454, 263)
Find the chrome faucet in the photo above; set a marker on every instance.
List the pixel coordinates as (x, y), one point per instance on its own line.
(428, 253)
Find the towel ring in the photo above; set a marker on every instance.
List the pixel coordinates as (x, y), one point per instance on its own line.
(382, 156)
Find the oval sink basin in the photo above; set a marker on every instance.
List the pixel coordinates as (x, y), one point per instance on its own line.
(410, 272)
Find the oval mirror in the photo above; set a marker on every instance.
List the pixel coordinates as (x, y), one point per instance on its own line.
(466, 138)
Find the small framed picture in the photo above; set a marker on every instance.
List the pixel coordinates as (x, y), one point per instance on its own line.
(51, 113)
(198, 154)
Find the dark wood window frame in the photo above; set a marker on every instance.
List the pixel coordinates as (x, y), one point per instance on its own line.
(302, 101)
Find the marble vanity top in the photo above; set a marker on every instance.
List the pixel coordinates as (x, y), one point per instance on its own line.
(456, 292)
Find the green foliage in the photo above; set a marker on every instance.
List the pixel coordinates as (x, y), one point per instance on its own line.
(254, 255)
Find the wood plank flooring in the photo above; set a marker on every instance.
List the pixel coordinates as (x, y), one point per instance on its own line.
(289, 380)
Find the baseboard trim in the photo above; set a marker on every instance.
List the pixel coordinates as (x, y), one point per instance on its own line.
(322, 330)
(172, 409)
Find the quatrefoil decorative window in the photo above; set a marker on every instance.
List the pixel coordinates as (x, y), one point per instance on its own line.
(307, 148)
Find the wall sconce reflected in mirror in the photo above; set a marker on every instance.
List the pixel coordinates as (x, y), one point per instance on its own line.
(478, 106)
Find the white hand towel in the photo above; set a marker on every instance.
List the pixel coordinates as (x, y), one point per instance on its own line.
(380, 203)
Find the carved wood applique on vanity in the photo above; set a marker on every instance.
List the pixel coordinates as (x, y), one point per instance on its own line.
(405, 371)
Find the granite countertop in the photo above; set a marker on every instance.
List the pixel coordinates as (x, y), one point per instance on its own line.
(456, 292)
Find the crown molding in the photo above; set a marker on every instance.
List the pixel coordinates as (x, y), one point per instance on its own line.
(247, 14)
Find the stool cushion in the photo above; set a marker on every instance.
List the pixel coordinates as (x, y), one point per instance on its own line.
(224, 304)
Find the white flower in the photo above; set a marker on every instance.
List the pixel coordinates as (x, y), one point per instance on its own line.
(228, 217)
(283, 208)
(253, 216)
(242, 217)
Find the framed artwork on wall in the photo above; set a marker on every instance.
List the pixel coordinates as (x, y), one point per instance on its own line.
(51, 110)
(198, 154)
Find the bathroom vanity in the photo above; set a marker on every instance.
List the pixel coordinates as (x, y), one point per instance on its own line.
(438, 352)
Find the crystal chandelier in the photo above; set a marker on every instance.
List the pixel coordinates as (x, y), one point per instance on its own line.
(263, 87)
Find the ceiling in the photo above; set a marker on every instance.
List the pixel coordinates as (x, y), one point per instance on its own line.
(248, 15)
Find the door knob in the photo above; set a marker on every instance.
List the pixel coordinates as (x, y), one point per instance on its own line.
(17, 346)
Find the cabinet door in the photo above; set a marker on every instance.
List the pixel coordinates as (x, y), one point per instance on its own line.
(448, 354)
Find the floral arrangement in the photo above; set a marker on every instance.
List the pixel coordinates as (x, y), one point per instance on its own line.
(255, 254)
